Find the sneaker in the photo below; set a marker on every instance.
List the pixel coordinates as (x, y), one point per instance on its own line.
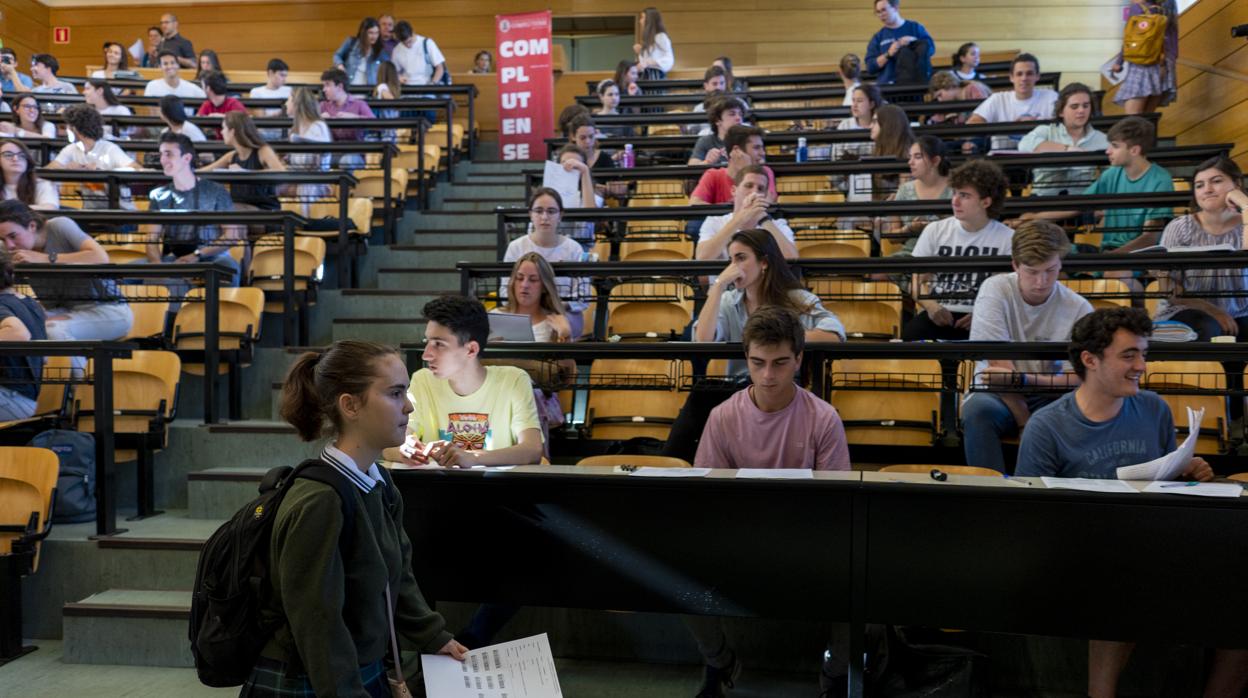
(715, 682)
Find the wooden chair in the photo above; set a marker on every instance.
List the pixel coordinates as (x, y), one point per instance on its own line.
(151, 317)
(655, 250)
(52, 407)
(1238, 477)
(950, 469)
(904, 407)
(641, 461)
(648, 321)
(125, 253)
(867, 309)
(834, 249)
(625, 414)
(239, 323)
(1101, 293)
(145, 400)
(268, 274)
(1204, 383)
(27, 489)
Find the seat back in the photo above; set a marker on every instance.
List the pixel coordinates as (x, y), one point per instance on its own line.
(888, 401)
(239, 318)
(950, 469)
(27, 481)
(1101, 293)
(145, 387)
(1195, 384)
(151, 317)
(640, 461)
(625, 414)
(640, 320)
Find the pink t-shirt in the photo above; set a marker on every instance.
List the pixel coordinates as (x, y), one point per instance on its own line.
(806, 434)
(715, 186)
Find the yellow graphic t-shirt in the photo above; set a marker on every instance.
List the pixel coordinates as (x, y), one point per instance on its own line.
(490, 418)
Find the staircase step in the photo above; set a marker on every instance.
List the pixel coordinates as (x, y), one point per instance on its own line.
(464, 203)
(374, 303)
(431, 253)
(512, 191)
(385, 330)
(499, 167)
(129, 627)
(449, 220)
(216, 493)
(430, 280)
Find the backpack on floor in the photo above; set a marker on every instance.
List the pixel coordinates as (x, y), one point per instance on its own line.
(232, 576)
(1144, 37)
(75, 483)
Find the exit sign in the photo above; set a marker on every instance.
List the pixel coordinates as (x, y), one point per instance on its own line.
(60, 35)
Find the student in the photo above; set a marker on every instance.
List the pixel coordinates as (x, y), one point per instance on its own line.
(865, 99)
(187, 243)
(743, 146)
(1144, 88)
(115, 58)
(218, 102)
(771, 423)
(359, 55)
(1130, 172)
(654, 52)
(482, 63)
(307, 126)
(609, 93)
(388, 38)
(1025, 102)
(97, 94)
(532, 291)
(972, 231)
(545, 213)
(1221, 210)
(760, 277)
(43, 68)
(929, 179)
(21, 320)
(173, 113)
(171, 83)
(12, 76)
(467, 413)
(177, 45)
(252, 154)
(208, 63)
(750, 202)
(1028, 305)
(20, 181)
(945, 87)
(723, 114)
(714, 83)
(1069, 132)
(28, 121)
(354, 393)
(339, 103)
(966, 62)
(77, 308)
(418, 58)
(896, 34)
(90, 151)
(585, 137)
(732, 83)
(851, 74)
(151, 58)
(626, 74)
(275, 86)
(573, 160)
(891, 137)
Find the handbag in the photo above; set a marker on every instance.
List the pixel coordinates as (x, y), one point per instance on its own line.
(398, 685)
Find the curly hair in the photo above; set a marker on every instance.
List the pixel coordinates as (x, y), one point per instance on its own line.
(1095, 331)
(715, 110)
(84, 119)
(986, 178)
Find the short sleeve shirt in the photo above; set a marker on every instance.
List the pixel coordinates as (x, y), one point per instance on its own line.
(491, 418)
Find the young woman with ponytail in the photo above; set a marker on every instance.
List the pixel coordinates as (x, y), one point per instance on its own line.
(328, 598)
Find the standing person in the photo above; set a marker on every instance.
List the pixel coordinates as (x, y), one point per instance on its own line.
(339, 103)
(218, 101)
(973, 230)
(173, 41)
(173, 113)
(1069, 132)
(654, 52)
(208, 62)
(1221, 210)
(187, 243)
(851, 74)
(171, 83)
(896, 34)
(43, 68)
(115, 58)
(609, 93)
(723, 113)
(90, 151)
(21, 320)
(1149, 85)
(354, 393)
(388, 39)
(28, 121)
(966, 62)
(12, 76)
(151, 52)
(1025, 102)
(21, 182)
(77, 308)
(482, 63)
(251, 154)
(418, 58)
(1028, 305)
(626, 74)
(360, 55)
(545, 214)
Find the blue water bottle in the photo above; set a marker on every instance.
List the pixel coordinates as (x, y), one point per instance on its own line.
(801, 149)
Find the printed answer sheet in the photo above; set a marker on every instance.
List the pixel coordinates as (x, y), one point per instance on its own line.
(518, 669)
(1171, 465)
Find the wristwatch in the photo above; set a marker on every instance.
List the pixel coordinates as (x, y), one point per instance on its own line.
(52, 257)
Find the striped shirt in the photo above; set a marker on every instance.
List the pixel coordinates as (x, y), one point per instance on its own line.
(346, 465)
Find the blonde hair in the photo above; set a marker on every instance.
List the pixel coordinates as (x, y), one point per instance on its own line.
(549, 301)
(306, 110)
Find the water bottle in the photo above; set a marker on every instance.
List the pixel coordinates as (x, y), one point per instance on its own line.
(628, 155)
(801, 149)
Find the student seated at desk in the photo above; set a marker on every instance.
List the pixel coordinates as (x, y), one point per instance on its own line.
(89, 151)
(750, 202)
(1106, 423)
(1028, 305)
(744, 147)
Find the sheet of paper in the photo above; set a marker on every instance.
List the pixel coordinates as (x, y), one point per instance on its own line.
(1107, 71)
(671, 472)
(518, 669)
(137, 50)
(1169, 466)
(1088, 485)
(1196, 489)
(501, 468)
(568, 184)
(776, 473)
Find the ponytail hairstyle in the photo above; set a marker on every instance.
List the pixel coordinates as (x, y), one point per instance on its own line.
(961, 53)
(310, 393)
(933, 148)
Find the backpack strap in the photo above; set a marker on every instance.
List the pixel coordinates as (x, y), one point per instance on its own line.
(320, 471)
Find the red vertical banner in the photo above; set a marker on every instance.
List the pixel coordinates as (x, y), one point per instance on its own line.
(526, 85)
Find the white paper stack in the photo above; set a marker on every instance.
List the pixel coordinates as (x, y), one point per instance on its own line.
(1171, 465)
(518, 669)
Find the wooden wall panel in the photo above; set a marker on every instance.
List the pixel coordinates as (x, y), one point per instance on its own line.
(24, 28)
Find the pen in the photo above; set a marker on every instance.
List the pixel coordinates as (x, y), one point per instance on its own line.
(1179, 484)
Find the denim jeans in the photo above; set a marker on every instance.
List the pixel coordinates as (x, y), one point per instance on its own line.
(14, 405)
(985, 421)
(102, 321)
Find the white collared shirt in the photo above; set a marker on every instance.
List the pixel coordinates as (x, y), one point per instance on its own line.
(346, 465)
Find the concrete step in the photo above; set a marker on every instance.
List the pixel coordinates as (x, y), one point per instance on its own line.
(130, 627)
(217, 493)
(499, 167)
(432, 253)
(374, 303)
(393, 331)
(511, 191)
(449, 220)
(464, 203)
(433, 236)
(432, 280)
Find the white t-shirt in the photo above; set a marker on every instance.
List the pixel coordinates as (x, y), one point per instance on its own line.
(713, 224)
(191, 131)
(660, 53)
(116, 110)
(185, 89)
(849, 96)
(105, 155)
(316, 132)
(1001, 315)
(947, 238)
(575, 292)
(413, 69)
(47, 197)
(263, 92)
(1004, 106)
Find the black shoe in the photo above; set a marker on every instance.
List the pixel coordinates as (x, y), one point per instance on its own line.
(716, 681)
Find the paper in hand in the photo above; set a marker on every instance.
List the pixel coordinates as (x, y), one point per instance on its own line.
(518, 669)
(1171, 465)
(568, 184)
(1107, 71)
(136, 50)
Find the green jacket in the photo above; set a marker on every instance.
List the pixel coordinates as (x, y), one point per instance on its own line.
(330, 612)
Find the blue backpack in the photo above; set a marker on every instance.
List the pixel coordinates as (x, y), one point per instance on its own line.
(75, 485)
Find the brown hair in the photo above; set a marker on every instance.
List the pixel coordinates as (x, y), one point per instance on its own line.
(361, 39)
(652, 28)
(568, 115)
(1095, 331)
(84, 119)
(550, 301)
(773, 326)
(1221, 163)
(1035, 242)
(306, 110)
(1134, 130)
(245, 132)
(569, 148)
(739, 136)
(316, 380)
(933, 148)
(1074, 88)
(851, 66)
(546, 191)
(26, 184)
(751, 170)
(986, 178)
(943, 80)
(718, 105)
(122, 64)
(872, 92)
(778, 281)
(388, 75)
(895, 134)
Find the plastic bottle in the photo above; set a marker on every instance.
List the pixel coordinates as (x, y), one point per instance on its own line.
(628, 155)
(801, 149)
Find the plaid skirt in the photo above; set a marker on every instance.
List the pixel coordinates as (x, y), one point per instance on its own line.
(1147, 80)
(269, 678)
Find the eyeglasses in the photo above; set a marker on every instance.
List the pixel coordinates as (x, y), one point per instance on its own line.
(14, 155)
(34, 107)
(539, 212)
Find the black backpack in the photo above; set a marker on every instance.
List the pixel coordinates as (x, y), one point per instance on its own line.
(914, 65)
(232, 577)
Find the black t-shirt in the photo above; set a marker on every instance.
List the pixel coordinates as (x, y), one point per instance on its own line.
(180, 45)
(23, 374)
(604, 161)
